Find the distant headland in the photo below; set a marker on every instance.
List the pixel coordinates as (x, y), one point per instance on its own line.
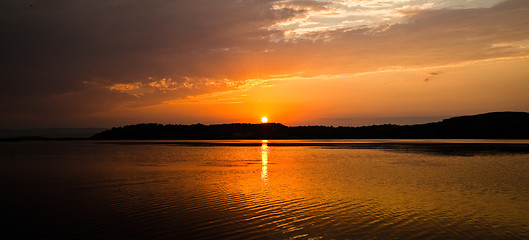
(495, 125)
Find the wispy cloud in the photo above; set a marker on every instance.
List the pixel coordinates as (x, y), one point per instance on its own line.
(357, 14)
(124, 87)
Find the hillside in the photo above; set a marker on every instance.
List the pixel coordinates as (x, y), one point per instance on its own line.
(497, 125)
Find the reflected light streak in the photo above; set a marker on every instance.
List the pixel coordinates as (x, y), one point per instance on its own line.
(264, 161)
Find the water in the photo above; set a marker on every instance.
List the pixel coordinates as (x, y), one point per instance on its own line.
(277, 189)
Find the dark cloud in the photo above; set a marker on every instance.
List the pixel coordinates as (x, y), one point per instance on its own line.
(52, 48)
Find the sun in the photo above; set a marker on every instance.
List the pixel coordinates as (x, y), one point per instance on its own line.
(264, 120)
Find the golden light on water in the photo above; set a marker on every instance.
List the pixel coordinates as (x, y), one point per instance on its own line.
(264, 161)
(264, 120)
(313, 190)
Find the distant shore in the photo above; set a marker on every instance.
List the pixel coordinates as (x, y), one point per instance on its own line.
(496, 125)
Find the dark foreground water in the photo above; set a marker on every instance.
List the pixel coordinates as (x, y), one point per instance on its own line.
(363, 189)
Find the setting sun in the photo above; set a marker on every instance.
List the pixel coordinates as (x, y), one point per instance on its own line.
(264, 120)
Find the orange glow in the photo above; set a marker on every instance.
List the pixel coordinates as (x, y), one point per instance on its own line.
(264, 120)
(351, 100)
(264, 161)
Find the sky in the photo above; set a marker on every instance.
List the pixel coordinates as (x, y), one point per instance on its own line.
(105, 63)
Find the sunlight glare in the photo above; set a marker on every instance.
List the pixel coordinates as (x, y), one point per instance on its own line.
(264, 161)
(264, 120)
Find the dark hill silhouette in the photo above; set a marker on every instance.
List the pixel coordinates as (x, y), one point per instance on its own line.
(497, 125)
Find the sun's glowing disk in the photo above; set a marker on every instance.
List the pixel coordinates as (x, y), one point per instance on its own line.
(264, 120)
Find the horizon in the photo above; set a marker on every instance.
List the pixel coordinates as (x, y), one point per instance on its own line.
(313, 62)
(86, 132)
(381, 121)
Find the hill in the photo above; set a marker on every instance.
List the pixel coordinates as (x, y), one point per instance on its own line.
(496, 125)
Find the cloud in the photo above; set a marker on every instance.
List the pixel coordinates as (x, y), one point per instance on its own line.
(54, 46)
(435, 37)
(357, 14)
(302, 6)
(125, 87)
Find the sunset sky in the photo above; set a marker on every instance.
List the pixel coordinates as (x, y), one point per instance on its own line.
(104, 63)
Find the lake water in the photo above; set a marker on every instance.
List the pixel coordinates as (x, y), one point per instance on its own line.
(276, 189)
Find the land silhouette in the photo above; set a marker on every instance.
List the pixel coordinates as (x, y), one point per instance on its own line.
(495, 125)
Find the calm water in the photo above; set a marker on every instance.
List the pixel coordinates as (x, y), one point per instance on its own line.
(362, 189)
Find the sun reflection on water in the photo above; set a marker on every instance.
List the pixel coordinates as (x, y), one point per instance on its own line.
(199, 191)
(264, 161)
